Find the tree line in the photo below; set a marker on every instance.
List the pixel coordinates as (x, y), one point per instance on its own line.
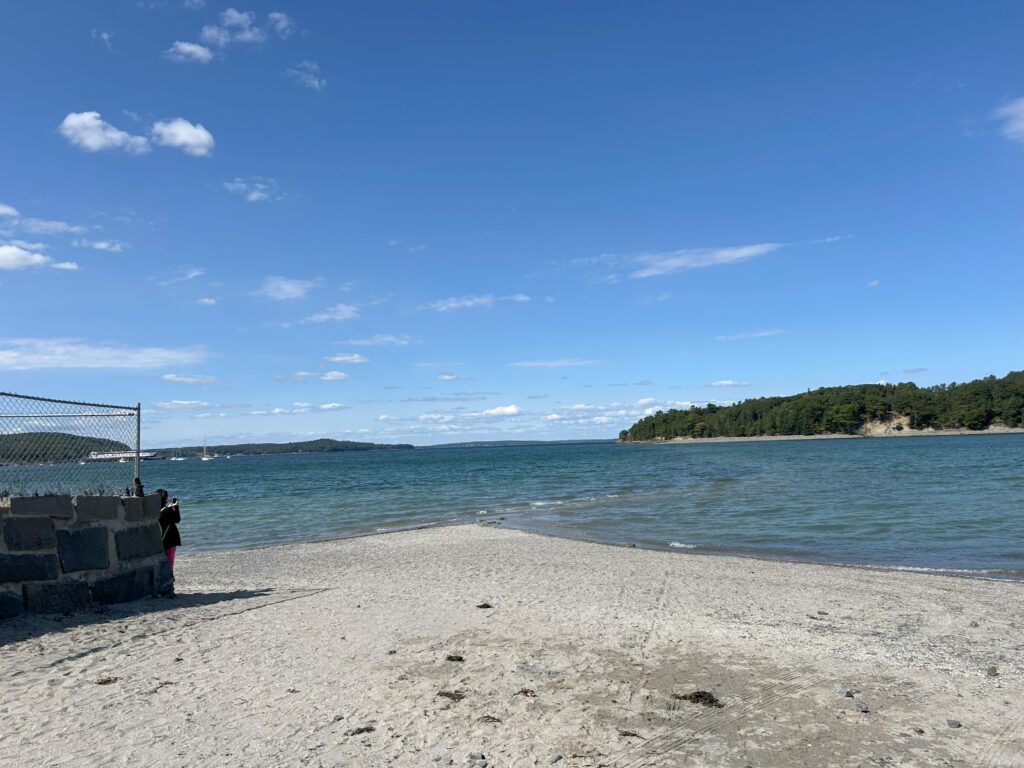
(845, 410)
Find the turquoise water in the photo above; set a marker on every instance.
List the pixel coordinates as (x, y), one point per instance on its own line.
(947, 503)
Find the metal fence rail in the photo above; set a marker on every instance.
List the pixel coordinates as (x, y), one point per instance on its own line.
(63, 446)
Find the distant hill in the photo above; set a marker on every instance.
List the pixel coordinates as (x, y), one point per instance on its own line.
(510, 443)
(848, 410)
(306, 446)
(52, 447)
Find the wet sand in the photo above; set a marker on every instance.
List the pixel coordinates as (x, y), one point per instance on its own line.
(281, 656)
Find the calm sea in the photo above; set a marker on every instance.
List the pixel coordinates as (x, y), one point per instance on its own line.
(944, 503)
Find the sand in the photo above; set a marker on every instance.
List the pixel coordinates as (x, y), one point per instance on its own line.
(277, 657)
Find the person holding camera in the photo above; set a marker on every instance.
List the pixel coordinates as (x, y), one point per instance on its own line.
(170, 516)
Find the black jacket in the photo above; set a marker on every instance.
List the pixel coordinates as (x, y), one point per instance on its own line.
(169, 517)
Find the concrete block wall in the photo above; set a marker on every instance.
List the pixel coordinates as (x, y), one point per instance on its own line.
(59, 553)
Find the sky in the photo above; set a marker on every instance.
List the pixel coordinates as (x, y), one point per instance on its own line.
(441, 222)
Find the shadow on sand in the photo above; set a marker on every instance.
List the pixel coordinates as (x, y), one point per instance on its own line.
(34, 625)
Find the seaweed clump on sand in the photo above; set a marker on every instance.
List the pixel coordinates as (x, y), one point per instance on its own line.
(704, 698)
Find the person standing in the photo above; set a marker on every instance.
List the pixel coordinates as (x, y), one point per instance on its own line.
(170, 516)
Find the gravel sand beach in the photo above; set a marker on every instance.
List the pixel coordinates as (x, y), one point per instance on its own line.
(474, 645)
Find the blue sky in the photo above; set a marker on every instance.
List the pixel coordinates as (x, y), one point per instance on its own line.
(432, 222)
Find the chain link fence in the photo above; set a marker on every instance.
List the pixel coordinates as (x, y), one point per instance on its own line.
(62, 446)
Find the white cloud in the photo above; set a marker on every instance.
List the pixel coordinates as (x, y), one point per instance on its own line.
(874, 283)
(193, 5)
(334, 376)
(188, 378)
(101, 245)
(28, 353)
(105, 37)
(8, 210)
(68, 266)
(285, 288)
(189, 52)
(729, 383)
(13, 257)
(563, 363)
(381, 340)
(192, 139)
(181, 405)
(468, 302)
(307, 74)
(749, 335)
(502, 410)
(254, 190)
(48, 227)
(696, 258)
(330, 406)
(183, 275)
(1012, 115)
(348, 357)
(337, 312)
(240, 27)
(89, 132)
(297, 376)
(446, 377)
(206, 301)
(282, 24)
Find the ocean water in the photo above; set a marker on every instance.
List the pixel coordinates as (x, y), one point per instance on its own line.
(952, 504)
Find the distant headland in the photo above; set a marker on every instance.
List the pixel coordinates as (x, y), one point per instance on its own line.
(991, 405)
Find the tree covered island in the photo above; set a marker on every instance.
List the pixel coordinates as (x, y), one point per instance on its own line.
(849, 410)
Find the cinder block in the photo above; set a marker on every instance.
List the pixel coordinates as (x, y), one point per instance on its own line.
(123, 587)
(151, 506)
(28, 567)
(42, 506)
(92, 508)
(83, 550)
(133, 508)
(138, 541)
(56, 597)
(11, 604)
(27, 533)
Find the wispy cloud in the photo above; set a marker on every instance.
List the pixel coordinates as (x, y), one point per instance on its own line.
(285, 288)
(105, 37)
(50, 227)
(30, 353)
(729, 383)
(206, 301)
(8, 211)
(501, 410)
(241, 27)
(188, 378)
(307, 74)
(181, 405)
(183, 275)
(113, 246)
(697, 258)
(337, 312)
(381, 340)
(469, 302)
(255, 189)
(334, 376)
(348, 357)
(88, 131)
(568, 362)
(1011, 116)
(191, 138)
(189, 52)
(874, 283)
(750, 335)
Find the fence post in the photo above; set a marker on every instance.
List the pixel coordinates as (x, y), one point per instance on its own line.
(138, 437)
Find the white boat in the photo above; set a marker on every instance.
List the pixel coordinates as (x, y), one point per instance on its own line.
(205, 456)
(176, 457)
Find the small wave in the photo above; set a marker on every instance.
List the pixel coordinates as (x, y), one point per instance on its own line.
(681, 545)
(546, 503)
(483, 512)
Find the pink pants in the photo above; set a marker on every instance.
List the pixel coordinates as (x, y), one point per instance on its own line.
(170, 556)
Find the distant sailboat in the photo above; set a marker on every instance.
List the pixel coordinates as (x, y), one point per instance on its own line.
(205, 456)
(176, 457)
